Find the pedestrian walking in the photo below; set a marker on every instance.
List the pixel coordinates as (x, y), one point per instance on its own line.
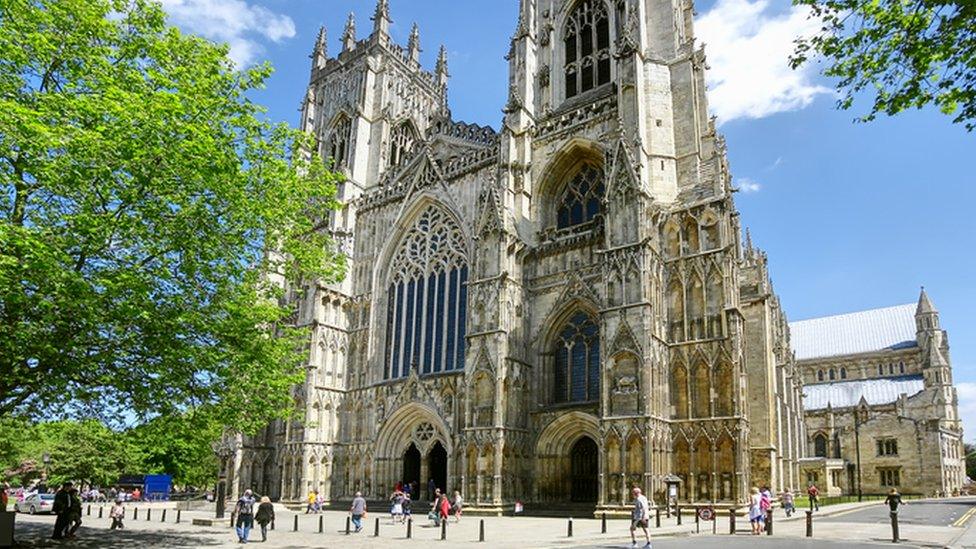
(311, 502)
(245, 516)
(396, 506)
(757, 517)
(431, 488)
(74, 513)
(434, 513)
(457, 506)
(358, 511)
(265, 516)
(62, 504)
(893, 501)
(639, 518)
(4, 497)
(788, 505)
(814, 494)
(117, 514)
(406, 508)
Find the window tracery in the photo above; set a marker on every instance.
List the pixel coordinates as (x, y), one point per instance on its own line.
(577, 351)
(586, 45)
(337, 147)
(402, 141)
(427, 298)
(582, 198)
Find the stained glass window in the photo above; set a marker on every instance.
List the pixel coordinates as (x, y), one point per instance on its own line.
(427, 324)
(586, 42)
(577, 354)
(582, 198)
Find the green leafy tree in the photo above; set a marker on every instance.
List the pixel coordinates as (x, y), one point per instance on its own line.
(909, 54)
(178, 445)
(85, 451)
(970, 450)
(139, 191)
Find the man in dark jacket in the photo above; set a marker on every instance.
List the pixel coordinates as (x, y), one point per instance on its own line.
(61, 508)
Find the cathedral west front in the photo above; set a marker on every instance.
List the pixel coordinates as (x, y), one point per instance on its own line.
(553, 312)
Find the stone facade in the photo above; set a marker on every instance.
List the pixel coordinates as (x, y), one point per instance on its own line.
(882, 410)
(554, 312)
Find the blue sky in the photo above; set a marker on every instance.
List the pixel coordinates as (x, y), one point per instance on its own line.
(853, 216)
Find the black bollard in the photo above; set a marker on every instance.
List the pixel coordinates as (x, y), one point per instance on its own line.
(376, 529)
(769, 522)
(731, 522)
(88, 512)
(232, 520)
(657, 517)
(347, 526)
(697, 522)
(164, 516)
(178, 513)
(444, 528)
(272, 524)
(481, 530)
(100, 509)
(321, 523)
(677, 512)
(135, 513)
(148, 514)
(894, 527)
(569, 528)
(603, 523)
(295, 528)
(809, 524)
(409, 527)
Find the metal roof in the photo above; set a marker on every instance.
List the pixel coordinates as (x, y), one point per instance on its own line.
(843, 394)
(853, 333)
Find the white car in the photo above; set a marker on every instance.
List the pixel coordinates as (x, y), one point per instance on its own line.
(35, 503)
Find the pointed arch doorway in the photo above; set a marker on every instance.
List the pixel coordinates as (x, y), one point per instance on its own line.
(437, 465)
(584, 469)
(411, 465)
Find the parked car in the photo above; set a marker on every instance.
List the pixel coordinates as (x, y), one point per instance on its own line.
(35, 503)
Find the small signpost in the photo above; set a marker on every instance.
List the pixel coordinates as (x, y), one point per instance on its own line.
(708, 514)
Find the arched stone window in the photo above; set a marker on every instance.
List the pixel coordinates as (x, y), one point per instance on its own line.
(586, 42)
(820, 445)
(577, 352)
(582, 198)
(832, 374)
(337, 146)
(820, 375)
(402, 141)
(843, 373)
(427, 297)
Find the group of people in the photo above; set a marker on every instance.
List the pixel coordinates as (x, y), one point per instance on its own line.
(246, 515)
(760, 502)
(67, 507)
(442, 507)
(316, 501)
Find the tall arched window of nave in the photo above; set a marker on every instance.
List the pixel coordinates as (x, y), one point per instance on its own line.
(577, 352)
(427, 297)
(586, 43)
(582, 197)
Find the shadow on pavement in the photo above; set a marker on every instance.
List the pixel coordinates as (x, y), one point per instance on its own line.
(39, 535)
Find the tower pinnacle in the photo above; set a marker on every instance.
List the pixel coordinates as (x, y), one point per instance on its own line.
(349, 35)
(413, 46)
(321, 51)
(381, 18)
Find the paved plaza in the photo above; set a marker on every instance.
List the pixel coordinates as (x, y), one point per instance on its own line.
(929, 523)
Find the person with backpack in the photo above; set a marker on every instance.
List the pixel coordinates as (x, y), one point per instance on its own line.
(117, 514)
(813, 493)
(245, 516)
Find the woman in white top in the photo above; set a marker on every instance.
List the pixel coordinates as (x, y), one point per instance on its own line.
(756, 515)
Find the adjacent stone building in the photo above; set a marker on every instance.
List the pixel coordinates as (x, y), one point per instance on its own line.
(880, 408)
(553, 312)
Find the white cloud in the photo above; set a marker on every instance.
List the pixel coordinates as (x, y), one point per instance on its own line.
(747, 185)
(967, 408)
(748, 48)
(235, 22)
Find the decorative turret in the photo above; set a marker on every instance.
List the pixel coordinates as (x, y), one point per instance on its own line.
(413, 46)
(441, 69)
(321, 52)
(349, 35)
(926, 315)
(381, 19)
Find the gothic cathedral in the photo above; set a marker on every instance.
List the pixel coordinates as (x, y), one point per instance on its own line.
(554, 312)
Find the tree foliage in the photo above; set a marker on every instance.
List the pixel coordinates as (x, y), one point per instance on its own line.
(908, 53)
(180, 446)
(139, 191)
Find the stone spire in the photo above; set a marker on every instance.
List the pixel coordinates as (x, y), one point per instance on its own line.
(349, 35)
(441, 69)
(381, 18)
(926, 315)
(413, 46)
(321, 52)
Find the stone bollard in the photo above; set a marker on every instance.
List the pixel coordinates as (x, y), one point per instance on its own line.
(164, 516)
(731, 522)
(569, 528)
(376, 528)
(321, 523)
(603, 523)
(481, 530)
(295, 527)
(444, 528)
(769, 522)
(657, 517)
(409, 527)
(347, 526)
(894, 527)
(809, 524)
